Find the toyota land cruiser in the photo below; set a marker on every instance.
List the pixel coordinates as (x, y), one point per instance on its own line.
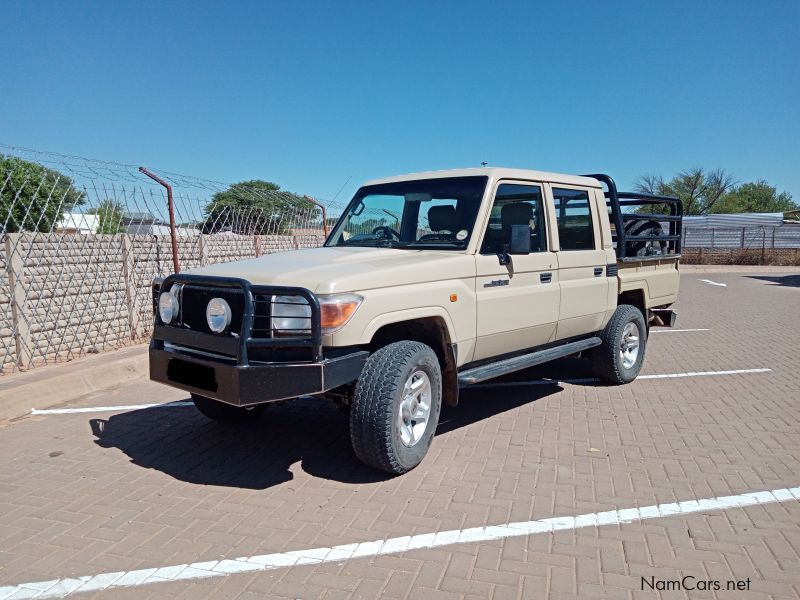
(428, 282)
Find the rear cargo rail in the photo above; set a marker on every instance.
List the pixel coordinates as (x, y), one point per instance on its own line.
(639, 236)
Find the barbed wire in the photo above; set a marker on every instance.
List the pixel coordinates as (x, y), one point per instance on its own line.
(83, 238)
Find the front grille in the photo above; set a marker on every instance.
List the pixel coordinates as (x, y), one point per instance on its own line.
(193, 302)
(262, 317)
(245, 339)
(194, 299)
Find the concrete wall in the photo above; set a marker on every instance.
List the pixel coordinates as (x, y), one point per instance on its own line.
(7, 354)
(66, 295)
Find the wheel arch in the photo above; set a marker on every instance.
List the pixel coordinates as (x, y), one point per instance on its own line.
(636, 297)
(433, 331)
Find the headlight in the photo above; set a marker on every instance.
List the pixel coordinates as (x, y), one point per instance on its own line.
(292, 314)
(168, 306)
(218, 315)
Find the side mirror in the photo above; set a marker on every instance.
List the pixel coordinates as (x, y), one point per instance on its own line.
(520, 240)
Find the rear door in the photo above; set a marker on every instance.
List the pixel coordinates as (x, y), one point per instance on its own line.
(517, 303)
(581, 261)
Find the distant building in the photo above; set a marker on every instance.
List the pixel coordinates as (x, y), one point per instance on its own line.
(142, 223)
(78, 223)
(740, 230)
(735, 220)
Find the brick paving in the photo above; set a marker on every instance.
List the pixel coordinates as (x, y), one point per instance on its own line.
(88, 493)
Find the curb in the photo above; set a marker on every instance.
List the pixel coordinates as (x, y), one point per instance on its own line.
(57, 385)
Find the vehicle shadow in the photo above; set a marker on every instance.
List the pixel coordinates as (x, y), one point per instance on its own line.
(181, 443)
(781, 280)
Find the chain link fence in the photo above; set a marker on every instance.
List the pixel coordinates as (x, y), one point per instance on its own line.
(82, 240)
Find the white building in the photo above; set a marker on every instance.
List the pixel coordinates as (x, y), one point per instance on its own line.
(78, 223)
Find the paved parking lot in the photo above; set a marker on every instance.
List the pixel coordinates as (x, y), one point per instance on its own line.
(89, 493)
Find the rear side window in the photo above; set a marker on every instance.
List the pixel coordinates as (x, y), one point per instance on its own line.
(574, 218)
(515, 204)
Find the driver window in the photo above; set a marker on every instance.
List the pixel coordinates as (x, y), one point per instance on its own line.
(515, 204)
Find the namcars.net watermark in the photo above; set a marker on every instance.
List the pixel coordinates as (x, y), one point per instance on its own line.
(690, 583)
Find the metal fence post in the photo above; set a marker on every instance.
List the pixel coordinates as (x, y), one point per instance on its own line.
(15, 267)
(171, 210)
(742, 243)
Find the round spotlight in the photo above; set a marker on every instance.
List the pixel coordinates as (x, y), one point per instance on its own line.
(167, 307)
(218, 315)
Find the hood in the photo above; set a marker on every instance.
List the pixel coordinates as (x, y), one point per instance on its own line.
(333, 270)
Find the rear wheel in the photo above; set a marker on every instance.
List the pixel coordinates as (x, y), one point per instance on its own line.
(226, 413)
(619, 359)
(396, 407)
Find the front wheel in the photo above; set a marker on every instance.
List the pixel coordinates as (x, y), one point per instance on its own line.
(619, 359)
(226, 413)
(396, 407)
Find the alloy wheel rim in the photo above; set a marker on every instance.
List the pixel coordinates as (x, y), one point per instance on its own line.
(414, 409)
(629, 345)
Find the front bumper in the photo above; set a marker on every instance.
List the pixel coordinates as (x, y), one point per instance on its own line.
(255, 383)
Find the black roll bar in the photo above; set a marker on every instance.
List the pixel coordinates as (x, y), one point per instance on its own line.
(616, 200)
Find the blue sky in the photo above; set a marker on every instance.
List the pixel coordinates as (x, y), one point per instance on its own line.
(308, 94)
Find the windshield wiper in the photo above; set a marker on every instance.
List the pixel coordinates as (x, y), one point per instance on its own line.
(454, 243)
(382, 243)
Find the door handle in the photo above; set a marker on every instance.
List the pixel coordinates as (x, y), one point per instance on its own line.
(545, 277)
(598, 271)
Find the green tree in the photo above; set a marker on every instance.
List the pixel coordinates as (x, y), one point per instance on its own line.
(257, 207)
(33, 197)
(699, 190)
(757, 196)
(109, 214)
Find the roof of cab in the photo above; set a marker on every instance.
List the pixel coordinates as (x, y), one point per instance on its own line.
(495, 173)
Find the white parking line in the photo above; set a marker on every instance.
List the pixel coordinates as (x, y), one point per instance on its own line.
(703, 373)
(91, 409)
(708, 281)
(60, 588)
(676, 330)
(596, 380)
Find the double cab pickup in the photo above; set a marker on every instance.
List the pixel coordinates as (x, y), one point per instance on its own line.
(428, 283)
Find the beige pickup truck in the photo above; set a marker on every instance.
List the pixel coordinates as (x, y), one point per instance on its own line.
(428, 283)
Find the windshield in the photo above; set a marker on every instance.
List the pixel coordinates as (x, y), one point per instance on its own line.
(427, 213)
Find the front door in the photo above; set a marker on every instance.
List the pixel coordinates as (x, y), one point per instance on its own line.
(581, 262)
(517, 303)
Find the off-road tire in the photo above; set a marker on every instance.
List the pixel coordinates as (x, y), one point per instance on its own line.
(608, 362)
(648, 228)
(226, 413)
(374, 430)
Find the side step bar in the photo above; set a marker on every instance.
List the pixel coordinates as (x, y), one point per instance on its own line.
(509, 365)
